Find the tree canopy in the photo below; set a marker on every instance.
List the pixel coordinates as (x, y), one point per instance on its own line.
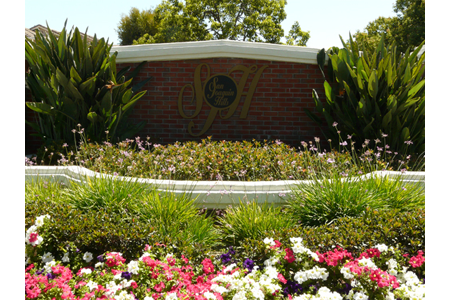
(406, 29)
(243, 20)
(134, 25)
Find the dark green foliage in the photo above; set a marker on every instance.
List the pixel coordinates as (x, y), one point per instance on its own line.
(371, 94)
(405, 230)
(104, 230)
(97, 231)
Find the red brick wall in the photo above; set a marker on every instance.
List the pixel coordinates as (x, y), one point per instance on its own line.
(276, 111)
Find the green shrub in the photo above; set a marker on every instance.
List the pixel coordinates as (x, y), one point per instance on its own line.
(96, 231)
(403, 230)
(103, 229)
(370, 94)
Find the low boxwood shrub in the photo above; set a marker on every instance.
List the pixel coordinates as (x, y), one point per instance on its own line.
(103, 229)
(404, 230)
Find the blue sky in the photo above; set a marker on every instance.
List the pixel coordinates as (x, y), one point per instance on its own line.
(325, 19)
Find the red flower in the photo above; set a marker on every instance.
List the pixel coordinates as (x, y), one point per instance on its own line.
(373, 252)
(289, 255)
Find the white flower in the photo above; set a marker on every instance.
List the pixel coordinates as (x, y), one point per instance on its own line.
(257, 293)
(326, 293)
(269, 241)
(240, 296)
(271, 261)
(85, 271)
(360, 296)
(48, 266)
(124, 296)
(209, 295)
(133, 267)
(297, 240)
(65, 258)
(87, 256)
(347, 273)
(392, 263)
(381, 247)
(301, 277)
(40, 220)
(271, 272)
(47, 257)
(92, 285)
(367, 262)
(218, 289)
(111, 287)
(171, 296)
(390, 296)
(411, 278)
(99, 265)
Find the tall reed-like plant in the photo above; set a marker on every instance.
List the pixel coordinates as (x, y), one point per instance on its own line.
(74, 81)
(322, 201)
(176, 218)
(106, 192)
(252, 220)
(373, 93)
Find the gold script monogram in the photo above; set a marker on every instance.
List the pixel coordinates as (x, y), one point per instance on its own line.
(221, 93)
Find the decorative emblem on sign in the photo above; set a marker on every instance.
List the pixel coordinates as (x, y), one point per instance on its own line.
(221, 93)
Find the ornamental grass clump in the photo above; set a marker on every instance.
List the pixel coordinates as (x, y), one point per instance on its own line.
(252, 220)
(106, 192)
(322, 201)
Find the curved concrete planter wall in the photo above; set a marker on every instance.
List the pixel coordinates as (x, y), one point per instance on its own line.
(209, 194)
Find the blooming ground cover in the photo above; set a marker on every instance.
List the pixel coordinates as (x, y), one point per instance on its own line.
(292, 271)
(227, 160)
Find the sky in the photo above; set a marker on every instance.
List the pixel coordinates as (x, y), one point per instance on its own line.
(325, 19)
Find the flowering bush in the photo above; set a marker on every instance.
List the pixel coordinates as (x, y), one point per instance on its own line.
(291, 271)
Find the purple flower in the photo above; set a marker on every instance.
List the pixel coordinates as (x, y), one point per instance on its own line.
(100, 258)
(249, 264)
(344, 143)
(330, 160)
(335, 124)
(126, 275)
(51, 275)
(226, 258)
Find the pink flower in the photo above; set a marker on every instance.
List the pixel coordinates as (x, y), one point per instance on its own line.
(208, 267)
(281, 278)
(373, 252)
(277, 245)
(417, 261)
(159, 287)
(33, 237)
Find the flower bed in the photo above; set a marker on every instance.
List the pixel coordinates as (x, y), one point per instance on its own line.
(292, 271)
